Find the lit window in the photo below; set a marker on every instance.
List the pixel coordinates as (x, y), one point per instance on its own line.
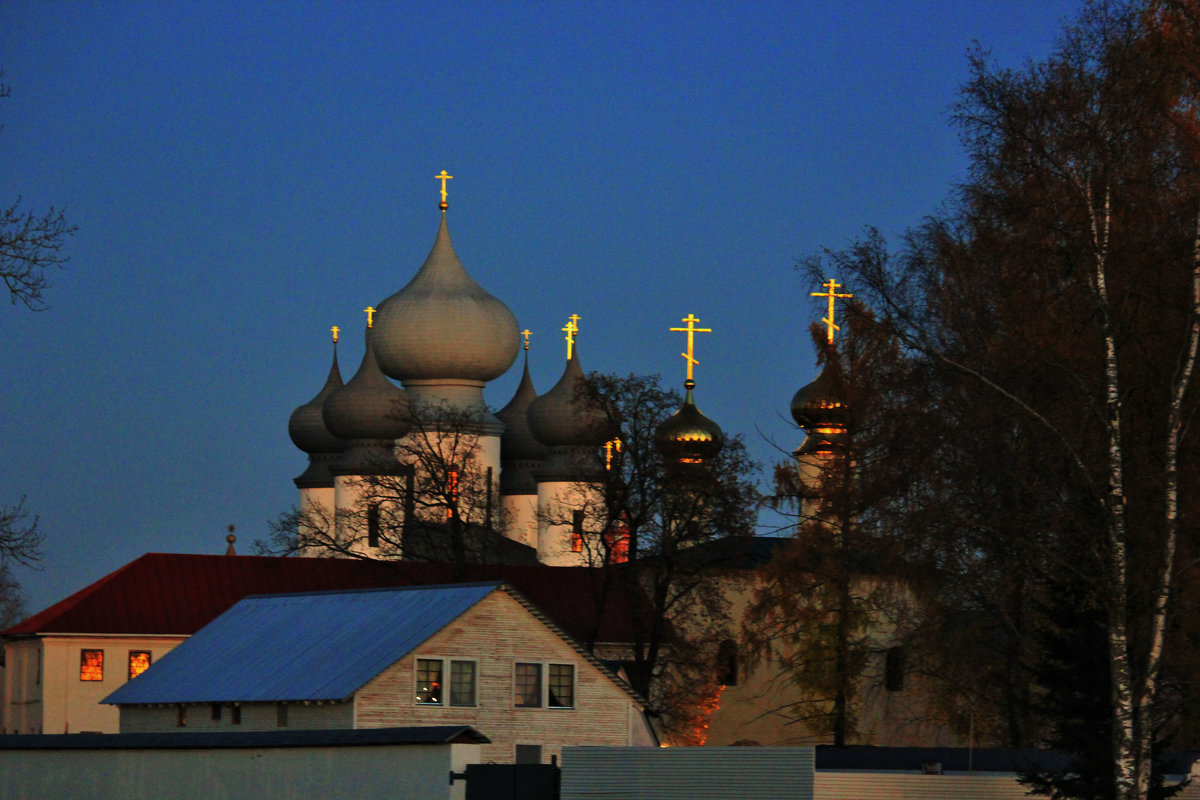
(577, 531)
(528, 686)
(429, 681)
(139, 662)
(462, 683)
(562, 686)
(429, 674)
(452, 492)
(91, 665)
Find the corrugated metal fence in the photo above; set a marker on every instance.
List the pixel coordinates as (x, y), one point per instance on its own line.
(691, 773)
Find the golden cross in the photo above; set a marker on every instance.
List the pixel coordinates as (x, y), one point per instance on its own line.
(445, 176)
(526, 333)
(335, 330)
(609, 447)
(691, 330)
(370, 316)
(831, 286)
(572, 328)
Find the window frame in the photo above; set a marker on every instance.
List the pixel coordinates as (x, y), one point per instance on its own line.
(84, 665)
(447, 690)
(544, 670)
(149, 662)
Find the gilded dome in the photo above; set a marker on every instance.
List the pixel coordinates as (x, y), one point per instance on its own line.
(819, 403)
(443, 325)
(687, 436)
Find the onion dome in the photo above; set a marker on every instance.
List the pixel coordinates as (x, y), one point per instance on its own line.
(519, 450)
(820, 409)
(307, 428)
(443, 325)
(687, 436)
(563, 417)
(369, 406)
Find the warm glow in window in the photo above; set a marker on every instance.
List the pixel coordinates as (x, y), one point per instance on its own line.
(139, 662)
(528, 685)
(452, 492)
(91, 665)
(577, 531)
(562, 686)
(429, 681)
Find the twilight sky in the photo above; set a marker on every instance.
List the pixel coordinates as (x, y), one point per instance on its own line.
(246, 175)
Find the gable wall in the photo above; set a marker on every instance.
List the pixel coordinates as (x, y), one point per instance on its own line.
(43, 692)
(498, 631)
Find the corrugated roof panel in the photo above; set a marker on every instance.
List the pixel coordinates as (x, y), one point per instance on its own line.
(320, 646)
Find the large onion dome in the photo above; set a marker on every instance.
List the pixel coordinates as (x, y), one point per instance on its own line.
(443, 325)
(563, 417)
(820, 409)
(308, 431)
(369, 406)
(687, 436)
(519, 450)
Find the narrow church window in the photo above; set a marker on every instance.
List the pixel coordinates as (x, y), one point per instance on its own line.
(235, 714)
(216, 712)
(577, 531)
(373, 525)
(452, 492)
(528, 685)
(139, 662)
(462, 683)
(727, 663)
(429, 681)
(893, 669)
(37, 676)
(91, 665)
(562, 686)
(281, 715)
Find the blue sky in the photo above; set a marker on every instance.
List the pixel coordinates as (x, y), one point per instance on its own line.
(246, 175)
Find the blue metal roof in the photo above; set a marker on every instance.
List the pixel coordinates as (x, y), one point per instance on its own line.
(295, 647)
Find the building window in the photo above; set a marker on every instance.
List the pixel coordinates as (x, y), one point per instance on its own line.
(235, 714)
(429, 681)
(139, 662)
(281, 715)
(216, 712)
(528, 754)
(373, 525)
(91, 665)
(181, 716)
(562, 686)
(893, 669)
(727, 663)
(37, 676)
(430, 673)
(451, 492)
(462, 683)
(577, 531)
(528, 685)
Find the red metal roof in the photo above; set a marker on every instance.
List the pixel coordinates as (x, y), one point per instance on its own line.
(169, 593)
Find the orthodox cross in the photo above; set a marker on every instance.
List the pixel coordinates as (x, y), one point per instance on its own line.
(335, 330)
(526, 333)
(572, 328)
(691, 330)
(443, 177)
(831, 292)
(370, 316)
(609, 447)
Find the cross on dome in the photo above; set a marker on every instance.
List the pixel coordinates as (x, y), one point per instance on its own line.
(443, 177)
(831, 286)
(691, 330)
(571, 328)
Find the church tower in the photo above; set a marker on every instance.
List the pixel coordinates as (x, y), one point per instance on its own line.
(520, 453)
(573, 429)
(308, 431)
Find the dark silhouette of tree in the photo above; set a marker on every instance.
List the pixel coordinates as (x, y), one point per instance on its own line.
(1062, 288)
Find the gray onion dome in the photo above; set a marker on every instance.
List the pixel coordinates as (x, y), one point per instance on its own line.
(444, 325)
(306, 425)
(518, 442)
(369, 406)
(563, 417)
(687, 436)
